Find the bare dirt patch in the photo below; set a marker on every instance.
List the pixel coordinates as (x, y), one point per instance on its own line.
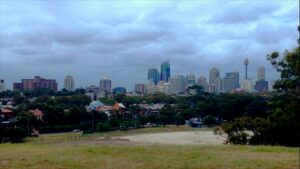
(177, 138)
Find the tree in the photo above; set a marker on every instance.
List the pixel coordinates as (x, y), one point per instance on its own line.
(18, 99)
(27, 120)
(15, 135)
(119, 97)
(257, 108)
(285, 116)
(282, 124)
(209, 120)
(108, 101)
(195, 89)
(162, 120)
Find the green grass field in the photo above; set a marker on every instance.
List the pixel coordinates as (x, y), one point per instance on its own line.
(73, 156)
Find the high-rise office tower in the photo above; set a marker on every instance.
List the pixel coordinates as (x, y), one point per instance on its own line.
(105, 85)
(69, 83)
(218, 83)
(214, 73)
(167, 88)
(261, 85)
(140, 88)
(247, 85)
(151, 87)
(246, 63)
(2, 85)
(165, 71)
(153, 75)
(231, 81)
(261, 73)
(191, 79)
(177, 84)
(202, 82)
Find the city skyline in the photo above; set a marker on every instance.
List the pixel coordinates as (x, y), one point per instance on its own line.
(124, 45)
(214, 82)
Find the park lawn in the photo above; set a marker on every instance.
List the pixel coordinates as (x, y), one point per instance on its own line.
(68, 156)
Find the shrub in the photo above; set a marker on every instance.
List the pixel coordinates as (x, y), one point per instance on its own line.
(209, 120)
(126, 123)
(15, 135)
(114, 122)
(103, 127)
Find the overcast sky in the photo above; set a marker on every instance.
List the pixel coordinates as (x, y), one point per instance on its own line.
(121, 40)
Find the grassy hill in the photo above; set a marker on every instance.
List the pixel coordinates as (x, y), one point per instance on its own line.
(67, 155)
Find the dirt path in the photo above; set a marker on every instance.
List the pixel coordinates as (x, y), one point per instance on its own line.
(177, 138)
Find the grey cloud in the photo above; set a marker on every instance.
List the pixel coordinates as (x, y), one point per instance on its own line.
(94, 39)
(240, 12)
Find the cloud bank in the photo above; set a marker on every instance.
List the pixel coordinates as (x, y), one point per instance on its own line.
(122, 40)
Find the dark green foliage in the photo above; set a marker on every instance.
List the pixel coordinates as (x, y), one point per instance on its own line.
(178, 120)
(17, 100)
(167, 111)
(114, 122)
(285, 119)
(27, 120)
(62, 128)
(119, 97)
(233, 105)
(38, 92)
(15, 135)
(108, 101)
(103, 127)
(209, 120)
(2, 134)
(248, 130)
(100, 116)
(127, 123)
(9, 94)
(188, 113)
(257, 108)
(162, 120)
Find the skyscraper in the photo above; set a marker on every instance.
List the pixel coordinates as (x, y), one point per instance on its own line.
(247, 85)
(218, 83)
(177, 84)
(261, 85)
(214, 73)
(153, 75)
(202, 82)
(261, 72)
(69, 83)
(231, 81)
(236, 76)
(190, 79)
(246, 63)
(2, 85)
(140, 88)
(165, 71)
(105, 85)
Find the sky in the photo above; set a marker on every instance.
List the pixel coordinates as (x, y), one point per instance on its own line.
(121, 40)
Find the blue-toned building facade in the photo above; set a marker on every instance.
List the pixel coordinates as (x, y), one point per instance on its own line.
(165, 71)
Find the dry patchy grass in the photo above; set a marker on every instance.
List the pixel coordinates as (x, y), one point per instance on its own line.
(57, 156)
(114, 156)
